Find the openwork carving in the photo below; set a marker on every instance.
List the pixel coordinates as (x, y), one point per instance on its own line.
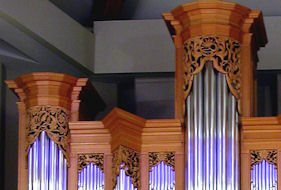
(257, 156)
(130, 159)
(86, 159)
(156, 157)
(53, 120)
(223, 52)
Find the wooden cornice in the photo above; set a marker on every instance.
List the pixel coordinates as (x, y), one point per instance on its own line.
(56, 89)
(260, 132)
(89, 137)
(122, 128)
(125, 129)
(215, 18)
(167, 132)
(36, 89)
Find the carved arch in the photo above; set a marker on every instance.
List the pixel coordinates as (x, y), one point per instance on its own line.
(223, 52)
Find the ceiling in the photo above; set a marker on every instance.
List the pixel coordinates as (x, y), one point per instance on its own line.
(86, 11)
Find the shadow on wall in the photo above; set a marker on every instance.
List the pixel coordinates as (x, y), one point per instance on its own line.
(269, 92)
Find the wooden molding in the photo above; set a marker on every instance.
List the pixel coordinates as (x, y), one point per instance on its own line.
(125, 129)
(44, 89)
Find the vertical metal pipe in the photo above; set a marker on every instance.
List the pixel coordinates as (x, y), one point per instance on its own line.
(219, 111)
(53, 163)
(190, 142)
(30, 168)
(200, 132)
(207, 128)
(213, 136)
(43, 161)
(35, 172)
(224, 131)
(196, 134)
(236, 152)
(65, 174)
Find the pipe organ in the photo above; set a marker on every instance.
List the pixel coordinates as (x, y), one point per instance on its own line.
(215, 142)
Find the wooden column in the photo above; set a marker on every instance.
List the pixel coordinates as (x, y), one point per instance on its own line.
(224, 20)
(201, 31)
(40, 90)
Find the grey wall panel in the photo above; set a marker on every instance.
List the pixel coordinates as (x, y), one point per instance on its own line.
(2, 123)
(145, 46)
(133, 46)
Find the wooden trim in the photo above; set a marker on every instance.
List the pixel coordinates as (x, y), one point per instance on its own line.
(180, 166)
(179, 91)
(245, 171)
(108, 171)
(144, 170)
(72, 172)
(22, 159)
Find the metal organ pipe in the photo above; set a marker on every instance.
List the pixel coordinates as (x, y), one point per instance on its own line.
(91, 178)
(162, 177)
(264, 176)
(124, 182)
(212, 141)
(47, 167)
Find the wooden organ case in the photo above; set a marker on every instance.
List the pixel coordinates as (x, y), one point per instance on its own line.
(214, 142)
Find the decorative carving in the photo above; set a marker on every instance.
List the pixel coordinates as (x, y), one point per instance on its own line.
(86, 159)
(130, 159)
(257, 156)
(223, 52)
(156, 157)
(53, 120)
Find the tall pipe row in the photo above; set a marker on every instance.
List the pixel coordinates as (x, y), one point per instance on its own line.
(47, 167)
(212, 136)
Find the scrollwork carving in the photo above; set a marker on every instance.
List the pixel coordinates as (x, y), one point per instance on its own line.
(257, 156)
(130, 159)
(54, 121)
(223, 52)
(86, 159)
(156, 157)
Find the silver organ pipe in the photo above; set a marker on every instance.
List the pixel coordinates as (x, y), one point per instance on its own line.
(264, 176)
(212, 136)
(91, 178)
(124, 182)
(162, 177)
(47, 167)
